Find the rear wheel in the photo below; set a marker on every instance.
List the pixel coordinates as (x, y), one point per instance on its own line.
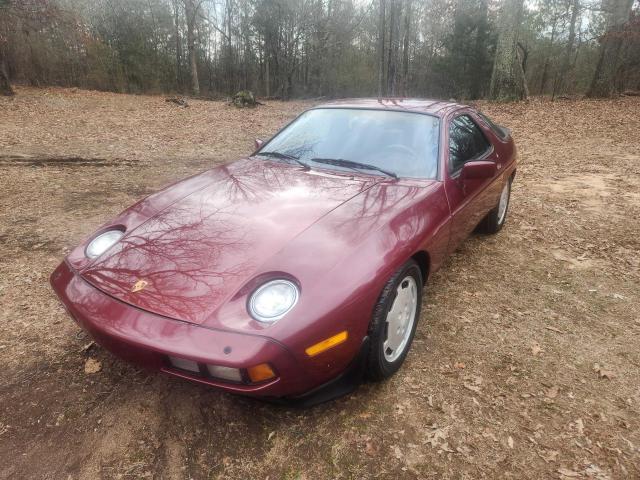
(394, 321)
(495, 219)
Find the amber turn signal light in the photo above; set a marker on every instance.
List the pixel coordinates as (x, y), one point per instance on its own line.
(260, 373)
(326, 344)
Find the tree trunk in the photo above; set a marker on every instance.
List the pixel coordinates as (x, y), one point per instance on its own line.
(522, 63)
(190, 11)
(176, 21)
(603, 85)
(5, 85)
(507, 81)
(547, 61)
(381, 35)
(479, 86)
(565, 68)
(394, 34)
(230, 60)
(267, 78)
(405, 48)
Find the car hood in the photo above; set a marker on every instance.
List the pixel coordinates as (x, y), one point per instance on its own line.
(199, 251)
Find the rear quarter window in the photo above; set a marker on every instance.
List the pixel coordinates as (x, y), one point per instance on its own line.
(500, 131)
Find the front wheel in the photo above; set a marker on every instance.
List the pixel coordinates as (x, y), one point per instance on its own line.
(394, 322)
(495, 219)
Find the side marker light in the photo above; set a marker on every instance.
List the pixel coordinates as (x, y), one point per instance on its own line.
(326, 344)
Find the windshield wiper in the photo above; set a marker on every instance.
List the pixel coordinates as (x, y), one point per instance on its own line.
(284, 156)
(340, 162)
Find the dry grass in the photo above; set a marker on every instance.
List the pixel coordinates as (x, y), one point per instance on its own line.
(525, 365)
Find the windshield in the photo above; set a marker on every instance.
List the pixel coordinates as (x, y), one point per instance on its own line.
(403, 143)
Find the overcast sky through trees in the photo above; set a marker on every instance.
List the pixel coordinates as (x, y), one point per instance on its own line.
(325, 48)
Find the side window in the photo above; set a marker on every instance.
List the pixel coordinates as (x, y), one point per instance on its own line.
(466, 142)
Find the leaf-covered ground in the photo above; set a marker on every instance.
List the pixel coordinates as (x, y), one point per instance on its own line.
(525, 365)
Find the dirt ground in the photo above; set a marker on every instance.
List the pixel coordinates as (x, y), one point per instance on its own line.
(525, 365)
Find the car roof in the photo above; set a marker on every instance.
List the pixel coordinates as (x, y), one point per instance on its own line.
(438, 108)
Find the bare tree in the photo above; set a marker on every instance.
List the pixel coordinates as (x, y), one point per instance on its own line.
(290, 48)
(381, 49)
(5, 84)
(176, 23)
(191, 8)
(481, 64)
(551, 6)
(405, 47)
(508, 81)
(394, 46)
(617, 14)
(565, 68)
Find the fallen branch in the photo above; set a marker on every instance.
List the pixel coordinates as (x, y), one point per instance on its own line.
(180, 101)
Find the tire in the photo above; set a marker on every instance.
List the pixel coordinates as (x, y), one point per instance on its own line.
(383, 361)
(495, 219)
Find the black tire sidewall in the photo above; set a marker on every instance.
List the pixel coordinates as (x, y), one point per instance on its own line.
(492, 223)
(379, 367)
(506, 210)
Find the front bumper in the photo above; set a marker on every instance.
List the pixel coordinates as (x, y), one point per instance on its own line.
(147, 339)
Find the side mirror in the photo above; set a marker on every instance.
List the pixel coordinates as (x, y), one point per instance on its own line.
(258, 143)
(478, 170)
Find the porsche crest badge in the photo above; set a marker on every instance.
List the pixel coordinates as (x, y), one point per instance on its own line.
(139, 285)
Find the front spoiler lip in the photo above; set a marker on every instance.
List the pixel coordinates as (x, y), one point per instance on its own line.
(243, 389)
(145, 338)
(337, 387)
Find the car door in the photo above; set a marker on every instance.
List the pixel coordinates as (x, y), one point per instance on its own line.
(471, 199)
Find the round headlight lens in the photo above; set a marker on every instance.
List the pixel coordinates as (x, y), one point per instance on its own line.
(102, 243)
(273, 300)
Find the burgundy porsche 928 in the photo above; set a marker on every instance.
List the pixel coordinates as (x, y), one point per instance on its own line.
(294, 272)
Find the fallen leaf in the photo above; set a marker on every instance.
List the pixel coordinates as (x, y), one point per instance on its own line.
(464, 450)
(473, 388)
(552, 392)
(536, 349)
(549, 455)
(371, 449)
(553, 329)
(437, 436)
(510, 442)
(271, 434)
(593, 471)
(629, 442)
(608, 374)
(92, 366)
(59, 419)
(565, 472)
(473, 383)
(446, 448)
(397, 452)
(86, 347)
(488, 434)
(459, 365)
